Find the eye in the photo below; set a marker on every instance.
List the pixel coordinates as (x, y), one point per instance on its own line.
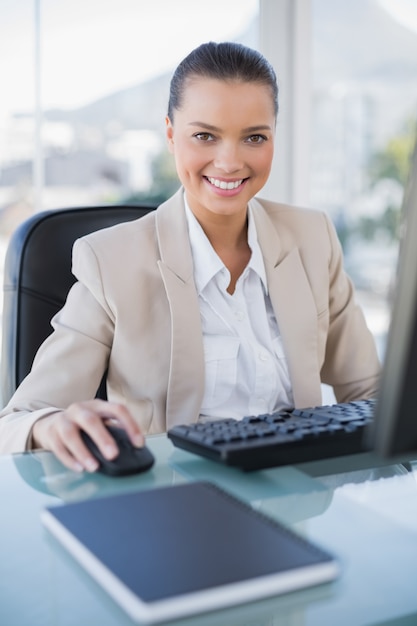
(256, 139)
(204, 136)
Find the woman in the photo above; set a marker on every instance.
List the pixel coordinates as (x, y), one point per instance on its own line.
(217, 304)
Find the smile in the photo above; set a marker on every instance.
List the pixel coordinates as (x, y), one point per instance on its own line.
(222, 184)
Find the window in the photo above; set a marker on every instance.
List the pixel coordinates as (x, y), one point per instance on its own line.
(100, 73)
(82, 113)
(84, 94)
(364, 110)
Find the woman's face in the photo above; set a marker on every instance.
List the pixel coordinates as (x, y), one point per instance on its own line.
(222, 139)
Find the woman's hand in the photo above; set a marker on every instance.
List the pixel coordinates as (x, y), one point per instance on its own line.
(60, 432)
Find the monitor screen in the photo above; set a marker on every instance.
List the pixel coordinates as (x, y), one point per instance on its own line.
(394, 431)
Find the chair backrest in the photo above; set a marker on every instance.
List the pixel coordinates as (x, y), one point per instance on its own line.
(37, 278)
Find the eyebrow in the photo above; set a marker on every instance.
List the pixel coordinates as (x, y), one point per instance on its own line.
(249, 129)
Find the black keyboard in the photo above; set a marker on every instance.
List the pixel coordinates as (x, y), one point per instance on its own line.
(283, 438)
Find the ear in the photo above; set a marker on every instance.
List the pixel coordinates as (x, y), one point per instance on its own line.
(169, 129)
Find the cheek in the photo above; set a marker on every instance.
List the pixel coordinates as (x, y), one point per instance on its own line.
(187, 164)
(189, 158)
(264, 161)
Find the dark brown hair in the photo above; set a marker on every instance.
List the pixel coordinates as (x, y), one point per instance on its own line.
(223, 61)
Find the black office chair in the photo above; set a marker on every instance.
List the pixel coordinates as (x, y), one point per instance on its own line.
(37, 278)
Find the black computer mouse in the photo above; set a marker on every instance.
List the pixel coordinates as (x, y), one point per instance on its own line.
(130, 460)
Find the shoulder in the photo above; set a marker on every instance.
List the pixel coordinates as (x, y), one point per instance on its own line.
(289, 213)
(294, 224)
(132, 236)
(131, 247)
(124, 232)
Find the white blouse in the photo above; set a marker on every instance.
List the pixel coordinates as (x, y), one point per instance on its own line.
(246, 371)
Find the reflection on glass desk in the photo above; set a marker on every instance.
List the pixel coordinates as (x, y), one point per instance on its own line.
(357, 508)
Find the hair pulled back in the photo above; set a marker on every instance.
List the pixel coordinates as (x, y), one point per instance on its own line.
(222, 61)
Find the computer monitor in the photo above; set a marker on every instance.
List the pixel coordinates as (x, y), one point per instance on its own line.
(394, 431)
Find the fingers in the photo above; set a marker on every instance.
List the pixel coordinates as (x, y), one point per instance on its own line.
(60, 432)
(111, 411)
(76, 463)
(49, 433)
(89, 418)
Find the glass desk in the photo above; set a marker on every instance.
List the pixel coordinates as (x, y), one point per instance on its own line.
(361, 510)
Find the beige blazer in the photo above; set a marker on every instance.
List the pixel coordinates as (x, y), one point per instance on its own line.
(135, 310)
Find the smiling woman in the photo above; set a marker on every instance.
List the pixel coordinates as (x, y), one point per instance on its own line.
(222, 150)
(230, 161)
(222, 170)
(218, 304)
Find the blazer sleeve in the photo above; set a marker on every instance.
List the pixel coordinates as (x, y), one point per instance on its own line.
(351, 365)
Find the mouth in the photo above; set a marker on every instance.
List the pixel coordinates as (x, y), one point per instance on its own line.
(225, 184)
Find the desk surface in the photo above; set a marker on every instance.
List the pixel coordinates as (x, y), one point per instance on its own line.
(362, 511)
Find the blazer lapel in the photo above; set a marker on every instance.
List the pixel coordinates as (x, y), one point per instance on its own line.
(186, 382)
(294, 307)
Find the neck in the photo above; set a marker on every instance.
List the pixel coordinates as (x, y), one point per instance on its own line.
(229, 237)
(226, 237)
(225, 231)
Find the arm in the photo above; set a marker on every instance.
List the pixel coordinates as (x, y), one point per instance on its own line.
(351, 364)
(56, 398)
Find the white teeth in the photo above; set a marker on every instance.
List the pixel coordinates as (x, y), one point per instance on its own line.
(222, 184)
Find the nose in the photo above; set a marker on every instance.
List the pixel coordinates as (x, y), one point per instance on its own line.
(228, 157)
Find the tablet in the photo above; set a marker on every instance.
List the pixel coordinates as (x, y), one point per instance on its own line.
(175, 551)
